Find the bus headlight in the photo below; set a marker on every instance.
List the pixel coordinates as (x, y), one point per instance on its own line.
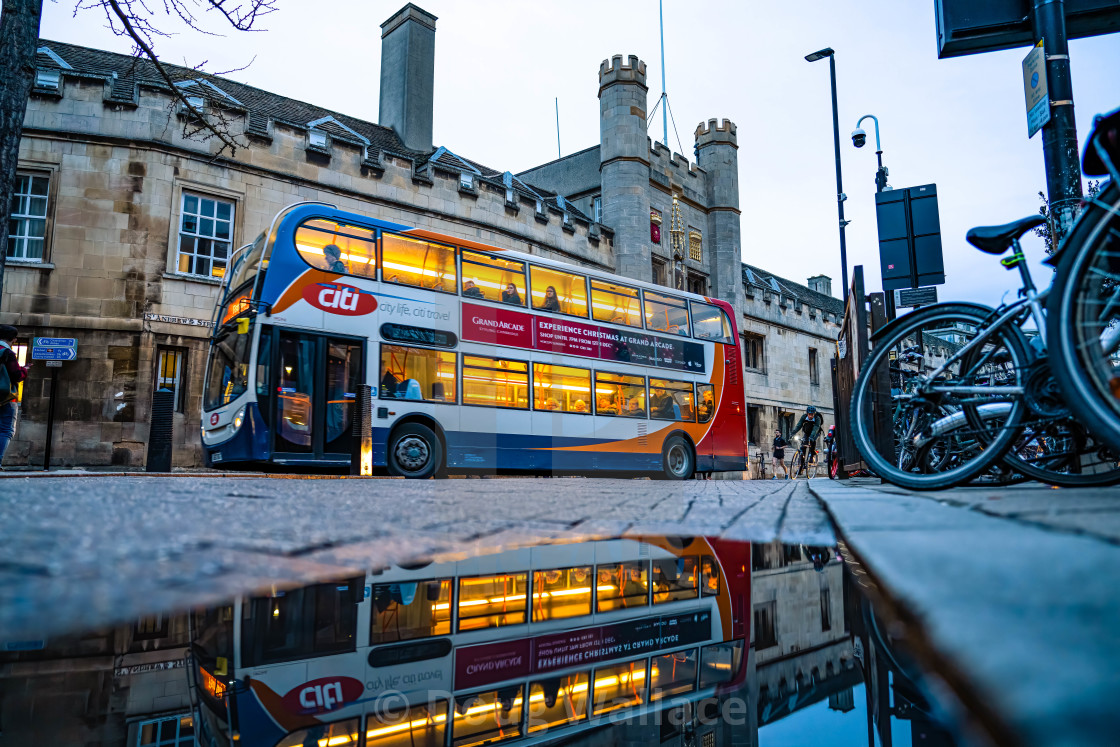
(238, 419)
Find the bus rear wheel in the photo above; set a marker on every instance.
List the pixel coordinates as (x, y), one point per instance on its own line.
(677, 460)
(414, 452)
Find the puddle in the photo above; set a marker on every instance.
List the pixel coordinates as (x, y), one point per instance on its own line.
(654, 640)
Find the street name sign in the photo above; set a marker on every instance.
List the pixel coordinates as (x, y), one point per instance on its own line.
(54, 349)
(1035, 89)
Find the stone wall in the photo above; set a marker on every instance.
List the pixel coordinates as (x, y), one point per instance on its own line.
(117, 175)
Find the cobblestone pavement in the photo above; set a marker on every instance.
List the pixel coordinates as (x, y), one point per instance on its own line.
(82, 551)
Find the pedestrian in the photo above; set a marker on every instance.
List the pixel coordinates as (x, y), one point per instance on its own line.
(779, 456)
(11, 375)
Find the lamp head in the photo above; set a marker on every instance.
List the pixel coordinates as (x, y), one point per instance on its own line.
(820, 54)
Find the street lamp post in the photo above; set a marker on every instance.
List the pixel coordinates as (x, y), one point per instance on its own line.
(840, 196)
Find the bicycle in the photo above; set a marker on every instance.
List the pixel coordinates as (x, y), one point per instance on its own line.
(1084, 304)
(804, 459)
(761, 472)
(992, 398)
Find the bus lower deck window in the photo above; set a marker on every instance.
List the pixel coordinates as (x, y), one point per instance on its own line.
(674, 579)
(422, 725)
(616, 394)
(484, 718)
(492, 601)
(561, 388)
(417, 374)
(494, 382)
(622, 585)
(671, 400)
(561, 592)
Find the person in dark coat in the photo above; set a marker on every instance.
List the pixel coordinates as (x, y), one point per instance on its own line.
(12, 376)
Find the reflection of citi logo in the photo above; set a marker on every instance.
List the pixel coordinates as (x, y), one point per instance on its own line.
(336, 298)
(323, 695)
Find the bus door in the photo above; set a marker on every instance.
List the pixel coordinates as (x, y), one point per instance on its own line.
(315, 382)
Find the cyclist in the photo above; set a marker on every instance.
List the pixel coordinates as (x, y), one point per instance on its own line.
(810, 426)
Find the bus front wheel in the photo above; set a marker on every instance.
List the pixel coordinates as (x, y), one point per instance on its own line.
(677, 460)
(414, 452)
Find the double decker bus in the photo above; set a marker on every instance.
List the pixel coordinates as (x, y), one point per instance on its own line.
(479, 358)
(523, 646)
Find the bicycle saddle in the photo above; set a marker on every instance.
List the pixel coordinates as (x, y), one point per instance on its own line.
(996, 239)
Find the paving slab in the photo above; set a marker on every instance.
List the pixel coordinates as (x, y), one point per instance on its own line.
(87, 550)
(1021, 614)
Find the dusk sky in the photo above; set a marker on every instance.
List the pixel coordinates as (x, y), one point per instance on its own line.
(959, 123)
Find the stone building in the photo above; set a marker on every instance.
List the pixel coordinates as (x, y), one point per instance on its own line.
(125, 222)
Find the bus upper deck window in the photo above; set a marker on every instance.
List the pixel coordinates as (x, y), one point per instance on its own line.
(558, 292)
(419, 263)
(707, 322)
(666, 314)
(338, 248)
(617, 304)
(493, 278)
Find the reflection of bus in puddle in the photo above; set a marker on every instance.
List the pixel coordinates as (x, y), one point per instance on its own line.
(521, 646)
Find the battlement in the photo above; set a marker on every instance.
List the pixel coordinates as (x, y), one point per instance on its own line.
(716, 131)
(662, 157)
(613, 71)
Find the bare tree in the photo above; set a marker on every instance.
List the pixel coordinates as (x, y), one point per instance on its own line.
(19, 31)
(1047, 230)
(134, 20)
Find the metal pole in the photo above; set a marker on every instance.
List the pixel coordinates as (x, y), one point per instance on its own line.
(664, 105)
(1059, 135)
(839, 182)
(50, 419)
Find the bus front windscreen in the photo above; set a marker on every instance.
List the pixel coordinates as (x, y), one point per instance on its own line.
(227, 377)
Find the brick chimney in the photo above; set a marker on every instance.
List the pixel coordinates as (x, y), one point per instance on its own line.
(408, 53)
(821, 284)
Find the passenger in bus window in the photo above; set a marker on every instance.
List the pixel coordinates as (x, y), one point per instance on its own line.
(579, 406)
(510, 295)
(390, 384)
(394, 278)
(661, 405)
(550, 403)
(707, 406)
(634, 409)
(333, 256)
(606, 406)
(551, 302)
(471, 290)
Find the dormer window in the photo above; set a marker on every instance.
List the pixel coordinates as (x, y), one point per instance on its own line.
(466, 180)
(48, 79)
(198, 103)
(597, 209)
(317, 139)
(510, 198)
(540, 206)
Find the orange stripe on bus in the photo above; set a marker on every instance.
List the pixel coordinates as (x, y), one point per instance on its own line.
(294, 291)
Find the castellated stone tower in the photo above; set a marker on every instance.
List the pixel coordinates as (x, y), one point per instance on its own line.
(624, 163)
(719, 158)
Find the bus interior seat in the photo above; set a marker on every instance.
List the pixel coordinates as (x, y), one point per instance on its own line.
(438, 391)
(676, 411)
(410, 388)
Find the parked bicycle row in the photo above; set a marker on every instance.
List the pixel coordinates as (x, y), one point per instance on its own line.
(958, 392)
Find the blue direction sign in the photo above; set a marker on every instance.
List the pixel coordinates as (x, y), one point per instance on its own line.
(54, 349)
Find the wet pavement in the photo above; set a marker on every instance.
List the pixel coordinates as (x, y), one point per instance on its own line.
(996, 606)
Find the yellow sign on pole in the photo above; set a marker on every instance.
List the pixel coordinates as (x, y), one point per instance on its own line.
(1035, 90)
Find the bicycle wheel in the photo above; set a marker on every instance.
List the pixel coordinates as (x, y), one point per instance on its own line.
(953, 418)
(1083, 318)
(1062, 452)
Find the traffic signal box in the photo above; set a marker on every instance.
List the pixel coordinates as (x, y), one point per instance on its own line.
(909, 238)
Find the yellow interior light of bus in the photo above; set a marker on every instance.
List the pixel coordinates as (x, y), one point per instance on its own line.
(397, 728)
(242, 325)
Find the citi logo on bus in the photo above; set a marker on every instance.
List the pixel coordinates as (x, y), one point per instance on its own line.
(323, 695)
(336, 298)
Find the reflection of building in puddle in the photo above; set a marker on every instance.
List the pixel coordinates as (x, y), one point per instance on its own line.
(803, 642)
(124, 685)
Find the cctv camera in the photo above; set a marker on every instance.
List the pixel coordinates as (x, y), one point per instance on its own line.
(859, 137)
